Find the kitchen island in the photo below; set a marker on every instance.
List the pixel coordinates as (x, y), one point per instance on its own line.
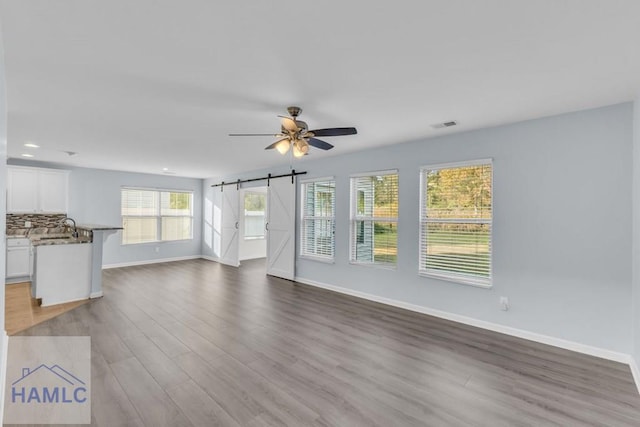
(66, 267)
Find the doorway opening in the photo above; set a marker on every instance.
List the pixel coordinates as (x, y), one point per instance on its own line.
(252, 241)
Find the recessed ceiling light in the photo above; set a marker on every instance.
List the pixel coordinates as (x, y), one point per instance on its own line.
(165, 169)
(30, 145)
(27, 155)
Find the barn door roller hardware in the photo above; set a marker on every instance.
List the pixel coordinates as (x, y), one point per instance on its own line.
(269, 177)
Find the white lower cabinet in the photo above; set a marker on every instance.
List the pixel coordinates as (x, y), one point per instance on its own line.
(18, 258)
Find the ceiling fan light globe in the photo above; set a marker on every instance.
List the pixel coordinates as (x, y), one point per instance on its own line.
(283, 146)
(297, 153)
(302, 146)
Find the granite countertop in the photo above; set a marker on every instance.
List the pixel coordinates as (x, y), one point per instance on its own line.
(29, 232)
(92, 227)
(57, 239)
(41, 236)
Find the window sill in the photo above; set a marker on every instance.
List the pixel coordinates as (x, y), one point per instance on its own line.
(318, 259)
(373, 265)
(158, 242)
(458, 280)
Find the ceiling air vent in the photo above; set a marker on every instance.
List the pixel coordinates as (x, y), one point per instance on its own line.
(444, 124)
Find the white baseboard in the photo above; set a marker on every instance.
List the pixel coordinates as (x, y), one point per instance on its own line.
(635, 372)
(93, 295)
(532, 336)
(14, 280)
(150, 261)
(209, 258)
(3, 369)
(228, 263)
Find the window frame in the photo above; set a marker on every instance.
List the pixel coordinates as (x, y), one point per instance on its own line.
(354, 217)
(264, 215)
(159, 215)
(454, 277)
(304, 218)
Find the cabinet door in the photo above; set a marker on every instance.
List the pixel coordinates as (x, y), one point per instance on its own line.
(22, 190)
(18, 262)
(52, 191)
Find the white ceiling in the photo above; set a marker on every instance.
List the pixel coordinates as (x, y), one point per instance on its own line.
(144, 85)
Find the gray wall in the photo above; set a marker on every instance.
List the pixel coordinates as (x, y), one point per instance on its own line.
(636, 232)
(562, 215)
(94, 197)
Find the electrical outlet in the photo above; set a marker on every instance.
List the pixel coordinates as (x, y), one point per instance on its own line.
(27, 224)
(504, 303)
(157, 249)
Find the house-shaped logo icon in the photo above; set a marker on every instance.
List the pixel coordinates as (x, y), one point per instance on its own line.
(48, 384)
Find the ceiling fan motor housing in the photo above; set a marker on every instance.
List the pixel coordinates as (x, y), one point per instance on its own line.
(294, 111)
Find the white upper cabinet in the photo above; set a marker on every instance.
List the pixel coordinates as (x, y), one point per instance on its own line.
(33, 190)
(22, 190)
(52, 190)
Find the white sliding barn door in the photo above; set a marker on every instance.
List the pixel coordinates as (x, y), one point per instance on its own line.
(281, 219)
(230, 222)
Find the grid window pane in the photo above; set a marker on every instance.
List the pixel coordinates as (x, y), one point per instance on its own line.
(318, 219)
(456, 219)
(175, 204)
(139, 202)
(459, 248)
(139, 230)
(176, 228)
(374, 221)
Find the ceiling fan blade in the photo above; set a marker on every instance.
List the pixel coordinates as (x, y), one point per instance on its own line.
(275, 144)
(289, 124)
(256, 134)
(334, 132)
(318, 143)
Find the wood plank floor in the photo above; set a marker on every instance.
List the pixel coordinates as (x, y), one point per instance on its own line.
(199, 343)
(22, 311)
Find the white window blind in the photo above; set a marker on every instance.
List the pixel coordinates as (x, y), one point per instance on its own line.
(374, 218)
(318, 219)
(254, 206)
(455, 224)
(155, 215)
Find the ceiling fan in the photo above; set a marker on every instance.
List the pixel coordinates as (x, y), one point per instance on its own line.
(295, 135)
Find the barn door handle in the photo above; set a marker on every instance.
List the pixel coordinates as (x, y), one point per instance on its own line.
(266, 226)
(237, 224)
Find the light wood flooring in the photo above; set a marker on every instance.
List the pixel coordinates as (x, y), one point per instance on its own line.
(203, 344)
(22, 311)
